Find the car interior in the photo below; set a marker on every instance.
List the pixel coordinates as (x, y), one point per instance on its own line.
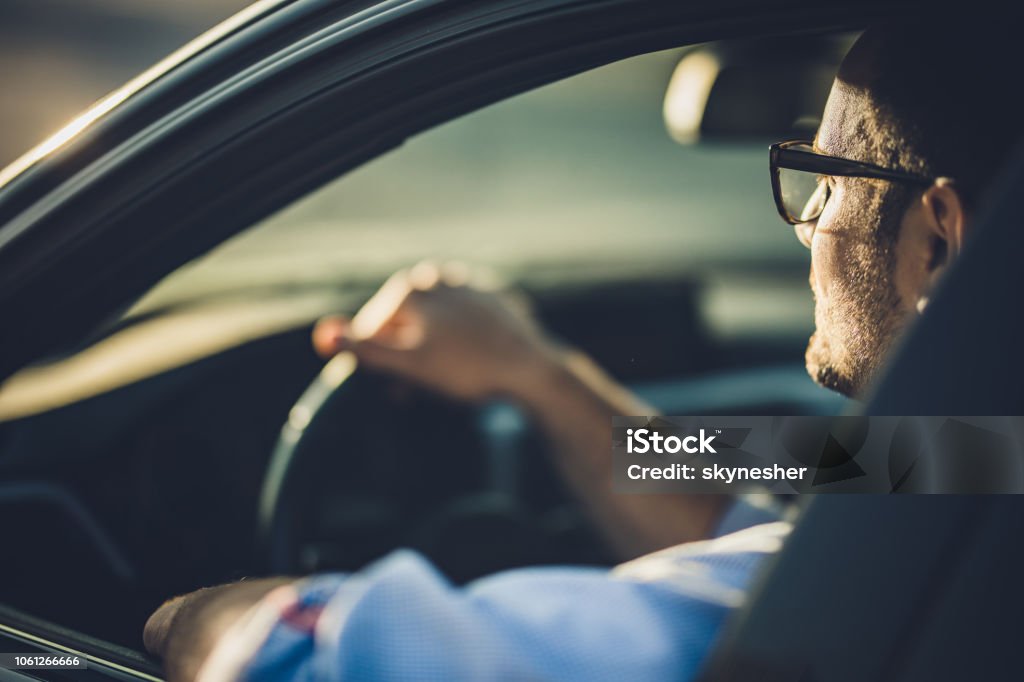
(639, 226)
(157, 473)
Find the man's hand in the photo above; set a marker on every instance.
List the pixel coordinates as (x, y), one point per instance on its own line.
(184, 630)
(432, 325)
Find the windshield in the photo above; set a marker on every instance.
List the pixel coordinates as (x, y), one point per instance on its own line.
(578, 179)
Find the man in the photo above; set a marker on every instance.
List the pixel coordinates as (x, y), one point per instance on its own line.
(895, 176)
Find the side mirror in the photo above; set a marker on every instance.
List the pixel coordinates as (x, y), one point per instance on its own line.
(752, 90)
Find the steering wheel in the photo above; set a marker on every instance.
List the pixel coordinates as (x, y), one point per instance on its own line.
(366, 463)
(275, 520)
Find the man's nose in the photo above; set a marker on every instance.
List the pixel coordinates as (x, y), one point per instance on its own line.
(805, 231)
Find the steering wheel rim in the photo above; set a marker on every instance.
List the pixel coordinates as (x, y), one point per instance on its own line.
(477, 498)
(274, 536)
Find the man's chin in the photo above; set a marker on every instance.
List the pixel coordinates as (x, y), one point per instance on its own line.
(823, 369)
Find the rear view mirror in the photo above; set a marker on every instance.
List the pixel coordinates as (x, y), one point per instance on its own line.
(752, 90)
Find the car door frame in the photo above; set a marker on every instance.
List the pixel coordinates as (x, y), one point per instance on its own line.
(26, 634)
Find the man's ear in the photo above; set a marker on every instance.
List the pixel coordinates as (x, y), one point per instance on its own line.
(943, 218)
(946, 215)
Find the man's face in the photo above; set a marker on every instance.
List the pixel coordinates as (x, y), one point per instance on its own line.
(855, 255)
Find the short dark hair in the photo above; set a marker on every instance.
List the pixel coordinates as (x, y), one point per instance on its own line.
(944, 95)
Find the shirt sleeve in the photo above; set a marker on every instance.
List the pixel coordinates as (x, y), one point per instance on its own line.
(652, 619)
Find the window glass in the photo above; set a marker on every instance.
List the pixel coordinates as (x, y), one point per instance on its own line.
(576, 180)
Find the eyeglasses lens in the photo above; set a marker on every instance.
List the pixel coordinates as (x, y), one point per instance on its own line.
(803, 194)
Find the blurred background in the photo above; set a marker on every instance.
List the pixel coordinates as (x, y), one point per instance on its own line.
(586, 156)
(59, 56)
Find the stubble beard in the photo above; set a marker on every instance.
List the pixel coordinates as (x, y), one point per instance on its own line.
(864, 317)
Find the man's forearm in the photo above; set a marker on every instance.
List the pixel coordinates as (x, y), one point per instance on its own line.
(574, 402)
(185, 629)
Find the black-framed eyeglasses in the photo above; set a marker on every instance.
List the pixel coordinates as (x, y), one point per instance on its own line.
(800, 178)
